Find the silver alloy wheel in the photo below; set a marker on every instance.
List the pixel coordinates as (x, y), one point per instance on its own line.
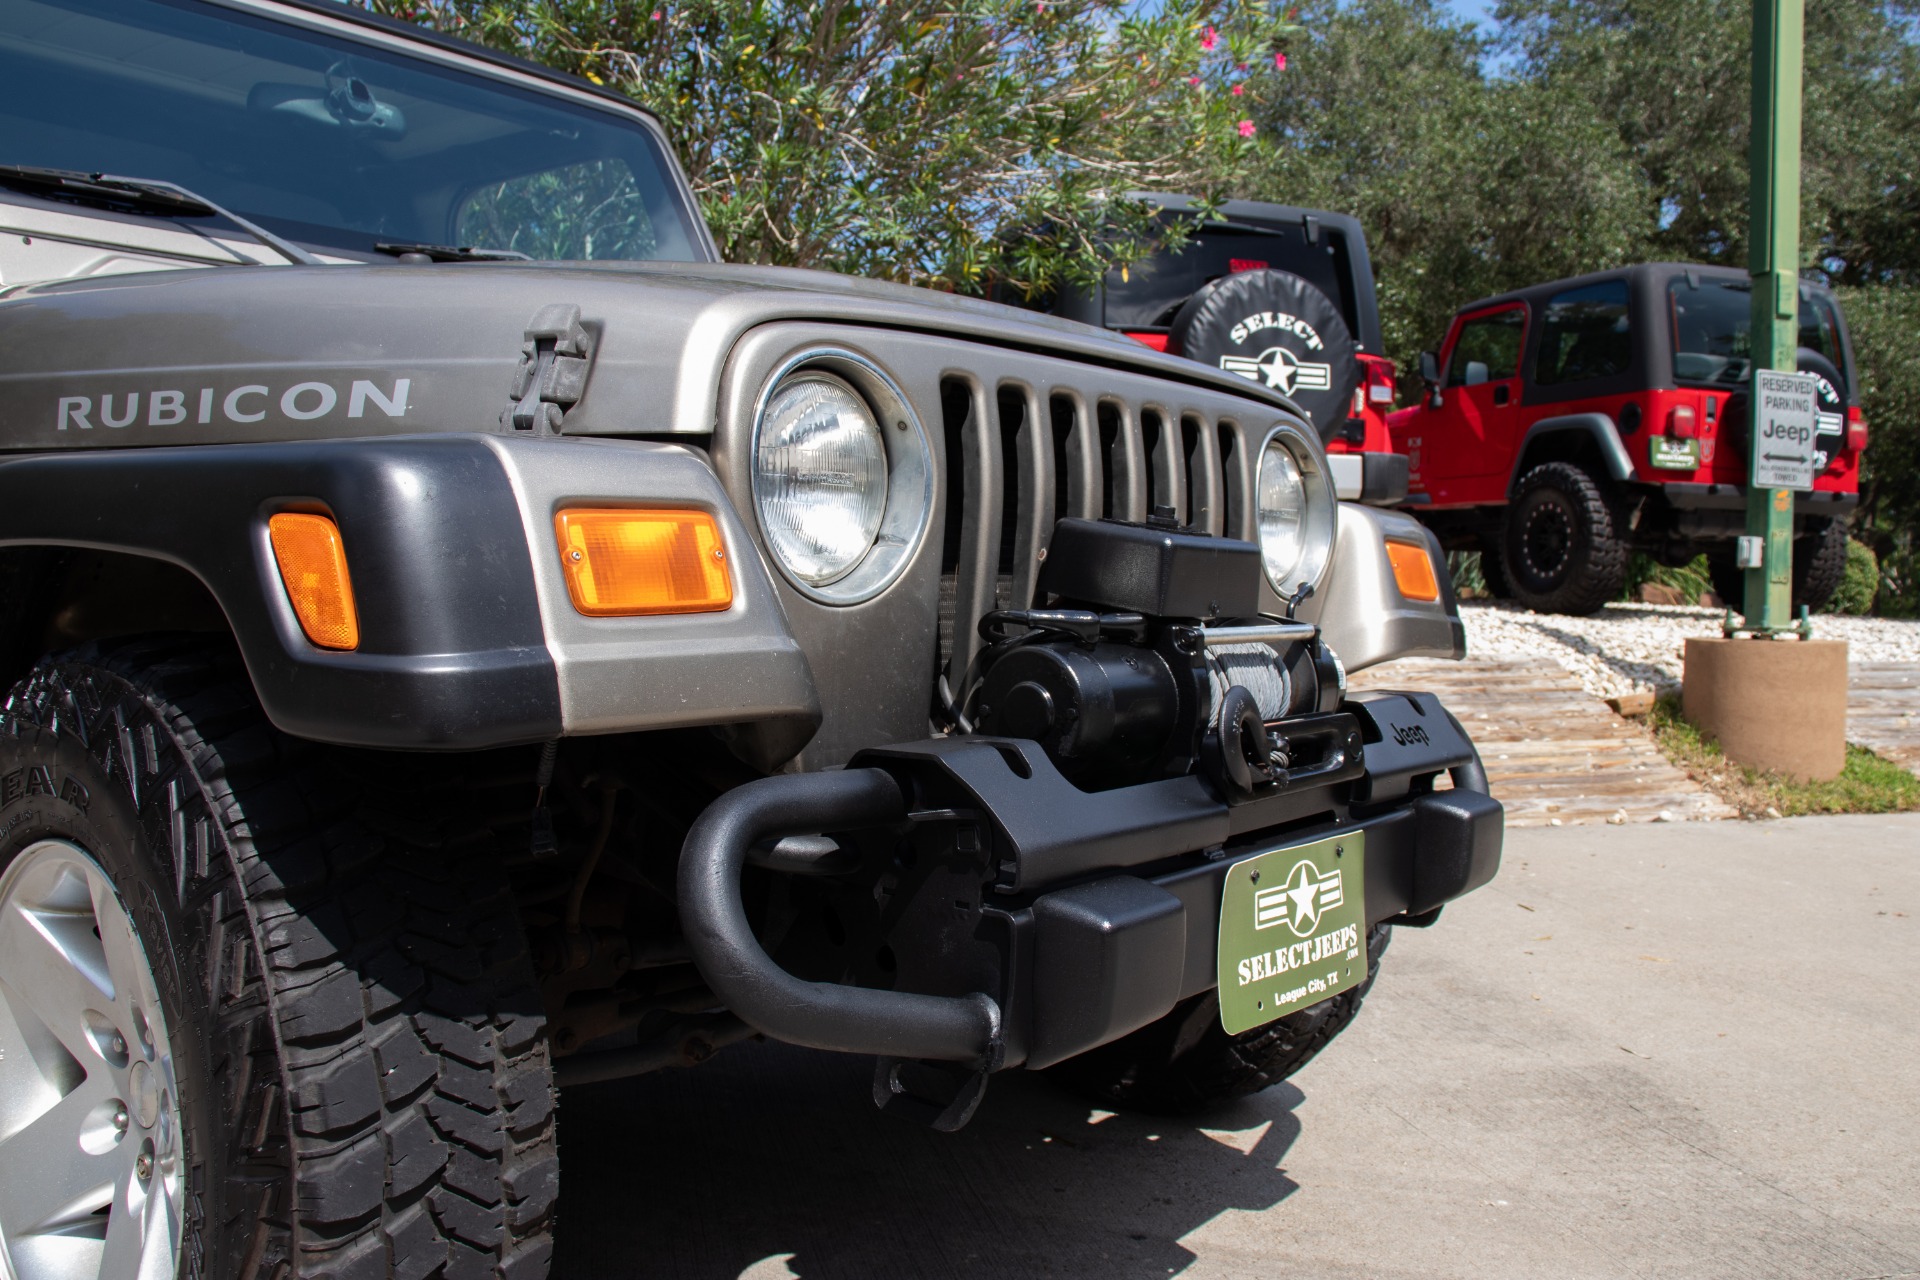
(90, 1143)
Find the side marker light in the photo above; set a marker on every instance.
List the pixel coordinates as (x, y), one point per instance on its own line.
(1413, 571)
(626, 563)
(313, 565)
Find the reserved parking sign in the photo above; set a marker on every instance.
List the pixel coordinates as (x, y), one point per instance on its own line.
(1783, 429)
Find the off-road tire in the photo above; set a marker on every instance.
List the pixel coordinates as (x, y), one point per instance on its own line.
(1186, 1061)
(1562, 548)
(363, 1076)
(1819, 563)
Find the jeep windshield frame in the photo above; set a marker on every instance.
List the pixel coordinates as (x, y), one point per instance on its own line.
(339, 135)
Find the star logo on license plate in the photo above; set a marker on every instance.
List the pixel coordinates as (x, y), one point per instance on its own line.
(1298, 903)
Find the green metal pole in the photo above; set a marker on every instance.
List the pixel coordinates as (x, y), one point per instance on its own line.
(1774, 261)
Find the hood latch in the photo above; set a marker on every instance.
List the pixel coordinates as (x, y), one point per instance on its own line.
(555, 355)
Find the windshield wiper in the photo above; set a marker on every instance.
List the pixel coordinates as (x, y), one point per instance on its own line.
(447, 253)
(142, 195)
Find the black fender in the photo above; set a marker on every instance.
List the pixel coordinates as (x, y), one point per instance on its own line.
(1597, 427)
(452, 648)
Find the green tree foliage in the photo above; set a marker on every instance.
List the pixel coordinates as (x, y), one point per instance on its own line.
(903, 139)
(1859, 583)
(1467, 185)
(1671, 79)
(1885, 320)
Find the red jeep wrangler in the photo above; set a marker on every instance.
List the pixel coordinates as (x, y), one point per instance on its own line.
(1566, 424)
(1281, 296)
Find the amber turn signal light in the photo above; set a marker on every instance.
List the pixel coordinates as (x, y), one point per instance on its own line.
(1413, 571)
(626, 563)
(313, 565)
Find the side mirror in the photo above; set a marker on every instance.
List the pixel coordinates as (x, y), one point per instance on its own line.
(1430, 374)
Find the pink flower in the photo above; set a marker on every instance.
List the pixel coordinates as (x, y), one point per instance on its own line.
(1194, 81)
(1243, 66)
(657, 15)
(1208, 39)
(1239, 89)
(1279, 62)
(1246, 128)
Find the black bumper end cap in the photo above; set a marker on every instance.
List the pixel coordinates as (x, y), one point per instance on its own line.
(1459, 842)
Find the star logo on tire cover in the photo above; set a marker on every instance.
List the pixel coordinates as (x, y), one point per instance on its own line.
(1279, 367)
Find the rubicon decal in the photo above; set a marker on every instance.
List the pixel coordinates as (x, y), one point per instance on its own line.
(172, 407)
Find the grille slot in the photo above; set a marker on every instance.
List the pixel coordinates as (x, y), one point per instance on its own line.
(1020, 457)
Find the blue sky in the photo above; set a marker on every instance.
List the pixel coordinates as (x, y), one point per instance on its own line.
(1480, 11)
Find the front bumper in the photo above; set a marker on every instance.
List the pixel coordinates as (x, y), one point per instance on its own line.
(1023, 921)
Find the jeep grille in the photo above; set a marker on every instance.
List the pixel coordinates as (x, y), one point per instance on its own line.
(1020, 457)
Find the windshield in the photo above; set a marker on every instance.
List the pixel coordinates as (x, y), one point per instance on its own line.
(1713, 330)
(329, 141)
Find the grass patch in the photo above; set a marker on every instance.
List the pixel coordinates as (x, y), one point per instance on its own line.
(1867, 784)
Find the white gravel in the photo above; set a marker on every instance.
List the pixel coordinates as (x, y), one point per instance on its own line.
(1627, 648)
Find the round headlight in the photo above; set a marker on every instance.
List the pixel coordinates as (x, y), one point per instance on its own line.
(1295, 514)
(819, 477)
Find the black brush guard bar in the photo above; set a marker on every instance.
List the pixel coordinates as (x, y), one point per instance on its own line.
(820, 1015)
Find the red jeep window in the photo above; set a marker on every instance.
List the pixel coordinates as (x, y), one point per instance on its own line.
(1488, 349)
(1712, 330)
(1584, 335)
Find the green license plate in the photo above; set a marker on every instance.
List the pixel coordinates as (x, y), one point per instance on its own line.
(1674, 455)
(1293, 930)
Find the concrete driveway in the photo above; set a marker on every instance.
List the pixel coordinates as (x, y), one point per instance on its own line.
(1670, 1050)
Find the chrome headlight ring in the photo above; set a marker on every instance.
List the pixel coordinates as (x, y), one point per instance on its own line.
(1295, 511)
(907, 500)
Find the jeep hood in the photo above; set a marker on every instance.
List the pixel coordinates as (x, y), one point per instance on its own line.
(251, 353)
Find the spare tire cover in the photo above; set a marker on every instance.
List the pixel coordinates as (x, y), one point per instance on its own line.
(1274, 328)
(1829, 407)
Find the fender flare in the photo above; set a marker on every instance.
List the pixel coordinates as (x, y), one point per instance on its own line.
(468, 637)
(452, 649)
(1598, 426)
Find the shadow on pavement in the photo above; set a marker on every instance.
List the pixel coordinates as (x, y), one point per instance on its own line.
(775, 1156)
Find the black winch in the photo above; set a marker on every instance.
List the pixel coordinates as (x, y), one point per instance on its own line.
(1149, 663)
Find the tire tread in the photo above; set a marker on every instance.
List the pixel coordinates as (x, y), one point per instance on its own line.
(357, 943)
(1591, 585)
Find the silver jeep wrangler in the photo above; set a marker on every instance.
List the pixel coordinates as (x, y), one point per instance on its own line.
(465, 640)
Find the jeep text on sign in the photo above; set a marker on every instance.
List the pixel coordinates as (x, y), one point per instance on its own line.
(1786, 409)
(1293, 930)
